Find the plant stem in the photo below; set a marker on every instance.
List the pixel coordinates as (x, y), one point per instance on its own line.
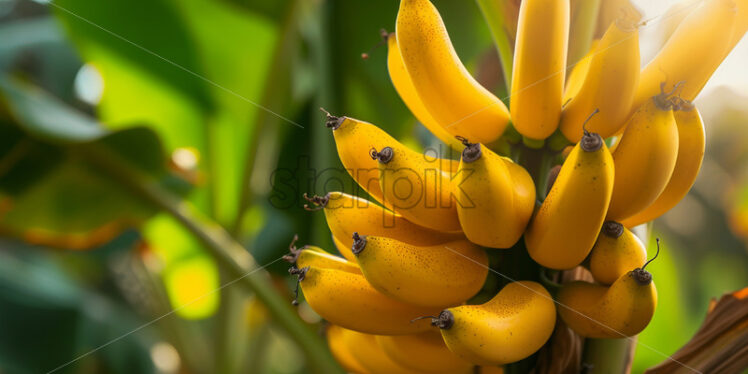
(546, 162)
(234, 259)
(612, 356)
(493, 12)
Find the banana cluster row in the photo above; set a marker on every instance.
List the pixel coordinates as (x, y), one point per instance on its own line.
(412, 262)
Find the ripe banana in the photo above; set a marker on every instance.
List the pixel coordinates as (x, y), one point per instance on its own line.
(347, 214)
(539, 67)
(578, 74)
(440, 275)
(708, 30)
(343, 249)
(687, 165)
(495, 197)
(608, 312)
(609, 84)
(365, 349)
(447, 90)
(511, 326)
(352, 139)
(644, 158)
(404, 87)
(563, 231)
(318, 257)
(346, 299)
(341, 351)
(616, 251)
(425, 353)
(415, 188)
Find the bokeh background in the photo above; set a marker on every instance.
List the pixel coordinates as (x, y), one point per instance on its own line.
(214, 104)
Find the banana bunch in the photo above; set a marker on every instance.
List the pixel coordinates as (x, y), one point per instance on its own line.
(402, 298)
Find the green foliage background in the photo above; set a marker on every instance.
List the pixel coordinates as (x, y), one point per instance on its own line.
(236, 84)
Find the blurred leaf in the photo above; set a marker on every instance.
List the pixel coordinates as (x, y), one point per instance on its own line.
(193, 287)
(37, 47)
(190, 276)
(54, 122)
(198, 87)
(111, 31)
(47, 320)
(236, 50)
(52, 194)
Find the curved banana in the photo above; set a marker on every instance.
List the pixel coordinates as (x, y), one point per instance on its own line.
(511, 326)
(707, 30)
(644, 158)
(495, 197)
(308, 256)
(346, 299)
(415, 188)
(611, 10)
(404, 87)
(563, 231)
(343, 249)
(352, 139)
(454, 98)
(615, 253)
(609, 312)
(341, 351)
(539, 67)
(365, 349)
(425, 353)
(578, 74)
(609, 85)
(346, 214)
(441, 275)
(687, 165)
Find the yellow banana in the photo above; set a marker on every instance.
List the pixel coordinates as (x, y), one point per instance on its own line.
(341, 351)
(343, 248)
(609, 84)
(404, 87)
(708, 31)
(347, 214)
(440, 275)
(687, 164)
(539, 67)
(415, 188)
(369, 354)
(616, 311)
(353, 138)
(578, 74)
(615, 253)
(644, 158)
(457, 102)
(563, 231)
(346, 299)
(610, 10)
(425, 353)
(511, 326)
(495, 197)
(318, 257)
